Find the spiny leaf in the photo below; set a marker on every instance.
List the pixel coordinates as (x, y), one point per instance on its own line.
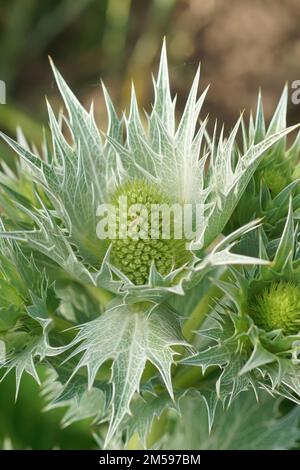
(81, 403)
(227, 197)
(248, 424)
(82, 123)
(144, 411)
(130, 336)
(285, 251)
(23, 360)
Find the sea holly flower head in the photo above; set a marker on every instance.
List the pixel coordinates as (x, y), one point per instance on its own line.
(254, 330)
(276, 177)
(106, 313)
(140, 237)
(278, 308)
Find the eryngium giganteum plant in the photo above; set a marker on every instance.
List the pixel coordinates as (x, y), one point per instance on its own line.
(138, 331)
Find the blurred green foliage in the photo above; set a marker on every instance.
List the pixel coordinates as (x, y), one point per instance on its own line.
(25, 426)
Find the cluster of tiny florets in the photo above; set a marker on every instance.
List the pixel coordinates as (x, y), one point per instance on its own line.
(275, 179)
(134, 255)
(278, 307)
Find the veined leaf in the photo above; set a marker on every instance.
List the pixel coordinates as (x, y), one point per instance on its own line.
(145, 410)
(227, 195)
(248, 424)
(81, 403)
(129, 336)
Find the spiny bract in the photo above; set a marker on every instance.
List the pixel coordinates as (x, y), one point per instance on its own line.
(277, 176)
(254, 330)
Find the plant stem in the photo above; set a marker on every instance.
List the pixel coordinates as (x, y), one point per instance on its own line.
(200, 311)
(134, 443)
(187, 378)
(156, 432)
(183, 377)
(103, 296)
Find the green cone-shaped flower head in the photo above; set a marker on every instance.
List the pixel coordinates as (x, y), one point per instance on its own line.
(278, 307)
(275, 179)
(140, 239)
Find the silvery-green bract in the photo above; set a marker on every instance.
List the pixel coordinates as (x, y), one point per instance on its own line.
(114, 320)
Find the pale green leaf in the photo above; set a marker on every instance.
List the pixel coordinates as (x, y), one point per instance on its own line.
(129, 336)
(247, 425)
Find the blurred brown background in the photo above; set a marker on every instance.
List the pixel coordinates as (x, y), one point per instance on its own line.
(242, 45)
